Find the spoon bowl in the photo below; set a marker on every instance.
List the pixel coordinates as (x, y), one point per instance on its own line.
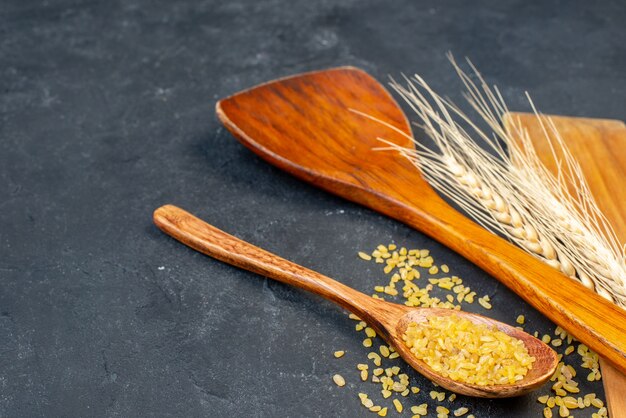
(543, 368)
(388, 319)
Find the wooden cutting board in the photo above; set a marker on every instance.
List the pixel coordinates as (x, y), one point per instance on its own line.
(599, 145)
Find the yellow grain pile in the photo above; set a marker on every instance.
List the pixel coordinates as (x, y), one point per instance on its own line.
(467, 352)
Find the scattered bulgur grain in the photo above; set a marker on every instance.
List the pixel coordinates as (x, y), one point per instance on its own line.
(484, 302)
(384, 350)
(375, 358)
(460, 412)
(571, 388)
(570, 402)
(339, 380)
(365, 256)
(597, 402)
(420, 409)
(397, 405)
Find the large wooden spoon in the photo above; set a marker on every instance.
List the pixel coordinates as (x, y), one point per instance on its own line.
(304, 125)
(390, 320)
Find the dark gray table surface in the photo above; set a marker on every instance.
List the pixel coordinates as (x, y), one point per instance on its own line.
(106, 112)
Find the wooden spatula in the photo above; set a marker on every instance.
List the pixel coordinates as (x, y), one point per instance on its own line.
(304, 125)
(600, 147)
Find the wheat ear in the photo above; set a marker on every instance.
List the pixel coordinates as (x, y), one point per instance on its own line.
(511, 192)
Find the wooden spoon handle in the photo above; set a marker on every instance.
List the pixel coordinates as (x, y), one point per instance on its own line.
(213, 242)
(590, 318)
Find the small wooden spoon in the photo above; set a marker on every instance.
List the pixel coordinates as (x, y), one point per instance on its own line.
(304, 125)
(388, 319)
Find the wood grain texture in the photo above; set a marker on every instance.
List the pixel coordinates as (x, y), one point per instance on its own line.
(390, 320)
(304, 125)
(600, 147)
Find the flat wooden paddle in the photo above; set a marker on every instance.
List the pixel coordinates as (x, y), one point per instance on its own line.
(600, 147)
(304, 125)
(390, 320)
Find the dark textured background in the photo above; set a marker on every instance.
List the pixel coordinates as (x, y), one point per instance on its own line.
(106, 112)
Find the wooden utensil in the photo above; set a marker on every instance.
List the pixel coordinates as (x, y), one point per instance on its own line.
(304, 125)
(599, 146)
(390, 320)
